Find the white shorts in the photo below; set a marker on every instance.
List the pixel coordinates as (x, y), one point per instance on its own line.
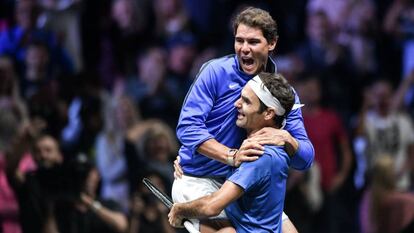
(188, 188)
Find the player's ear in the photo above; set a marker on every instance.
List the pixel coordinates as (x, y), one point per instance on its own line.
(269, 114)
(272, 44)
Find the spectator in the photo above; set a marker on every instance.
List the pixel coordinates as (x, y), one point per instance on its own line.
(38, 73)
(386, 130)
(170, 18)
(149, 76)
(127, 35)
(383, 208)
(55, 187)
(34, 199)
(150, 89)
(111, 158)
(88, 213)
(359, 32)
(160, 148)
(181, 55)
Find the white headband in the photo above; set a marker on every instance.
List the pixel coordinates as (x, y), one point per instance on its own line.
(265, 96)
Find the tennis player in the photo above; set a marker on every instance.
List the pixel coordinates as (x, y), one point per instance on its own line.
(210, 139)
(255, 192)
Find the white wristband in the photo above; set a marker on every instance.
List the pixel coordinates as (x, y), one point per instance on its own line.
(96, 205)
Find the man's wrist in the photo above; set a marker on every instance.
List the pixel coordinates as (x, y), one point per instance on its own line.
(231, 157)
(291, 144)
(96, 206)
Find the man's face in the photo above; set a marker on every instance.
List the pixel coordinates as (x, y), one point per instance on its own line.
(248, 106)
(252, 49)
(47, 152)
(382, 95)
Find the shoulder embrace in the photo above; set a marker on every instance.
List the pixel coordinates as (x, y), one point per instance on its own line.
(276, 152)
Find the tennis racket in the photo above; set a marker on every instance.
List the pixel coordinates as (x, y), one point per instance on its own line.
(166, 200)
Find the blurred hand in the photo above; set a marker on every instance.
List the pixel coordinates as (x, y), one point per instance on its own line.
(178, 172)
(29, 129)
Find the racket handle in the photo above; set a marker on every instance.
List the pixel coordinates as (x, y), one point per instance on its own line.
(190, 227)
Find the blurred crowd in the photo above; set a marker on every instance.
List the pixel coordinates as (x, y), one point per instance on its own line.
(90, 94)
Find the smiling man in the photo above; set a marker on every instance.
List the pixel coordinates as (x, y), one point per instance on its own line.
(256, 188)
(210, 139)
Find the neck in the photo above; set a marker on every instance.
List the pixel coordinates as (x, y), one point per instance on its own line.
(268, 65)
(250, 132)
(268, 124)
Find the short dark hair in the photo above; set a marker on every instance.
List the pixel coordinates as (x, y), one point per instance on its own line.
(257, 18)
(280, 89)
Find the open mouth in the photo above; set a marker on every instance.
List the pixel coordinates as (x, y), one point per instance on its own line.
(247, 62)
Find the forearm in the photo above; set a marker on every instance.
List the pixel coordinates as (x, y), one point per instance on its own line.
(214, 150)
(398, 99)
(207, 206)
(210, 205)
(115, 220)
(199, 208)
(304, 155)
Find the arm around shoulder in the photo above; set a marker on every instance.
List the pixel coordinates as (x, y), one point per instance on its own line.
(305, 153)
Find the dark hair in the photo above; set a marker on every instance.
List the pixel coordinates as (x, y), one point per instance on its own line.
(257, 18)
(280, 89)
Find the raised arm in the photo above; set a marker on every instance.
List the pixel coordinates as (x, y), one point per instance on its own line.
(207, 206)
(20, 145)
